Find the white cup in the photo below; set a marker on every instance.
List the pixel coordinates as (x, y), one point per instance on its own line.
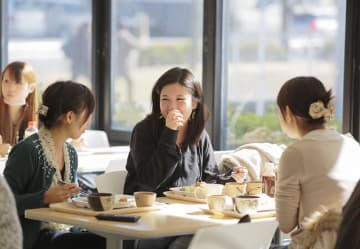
(246, 204)
(144, 199)
(206, 189)
(216, 202)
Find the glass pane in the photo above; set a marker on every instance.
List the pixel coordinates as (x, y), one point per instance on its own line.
(52, 36)
(269, 42)
(151, 37)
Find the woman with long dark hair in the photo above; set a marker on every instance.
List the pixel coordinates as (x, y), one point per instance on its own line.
(171, 147)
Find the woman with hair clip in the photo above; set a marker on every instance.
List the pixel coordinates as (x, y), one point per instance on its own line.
(170, 147)
(18, 103)
(320, 170)
(38, 166)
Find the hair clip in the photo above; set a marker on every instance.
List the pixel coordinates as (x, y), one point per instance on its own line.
(43, 110)
(318, 110)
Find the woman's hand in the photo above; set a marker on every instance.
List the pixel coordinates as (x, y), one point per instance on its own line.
(239, 173)
(60, 192)
(4, 149)
(175, 119)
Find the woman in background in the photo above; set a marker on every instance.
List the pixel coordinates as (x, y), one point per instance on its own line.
(318, 171)
(18, 103)
(37, 164)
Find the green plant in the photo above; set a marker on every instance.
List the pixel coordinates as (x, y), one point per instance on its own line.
(245, 127)
(126, 115)
(248, 127)
(164, 54)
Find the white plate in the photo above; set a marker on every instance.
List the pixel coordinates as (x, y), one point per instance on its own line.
(182, 192)
(172, 195)
(83, 202)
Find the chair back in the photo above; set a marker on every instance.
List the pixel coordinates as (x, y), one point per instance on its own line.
(251, 235)
(96, 139)
(117, 163)
(111, 182)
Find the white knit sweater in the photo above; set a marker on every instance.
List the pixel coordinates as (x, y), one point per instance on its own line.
(10, 229)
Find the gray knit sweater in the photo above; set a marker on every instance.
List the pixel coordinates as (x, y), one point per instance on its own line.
(10, 229)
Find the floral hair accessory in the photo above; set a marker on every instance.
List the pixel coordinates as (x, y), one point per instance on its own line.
(318, 110)
(43, 110)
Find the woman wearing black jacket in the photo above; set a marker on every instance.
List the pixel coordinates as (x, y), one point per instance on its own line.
(170, 147)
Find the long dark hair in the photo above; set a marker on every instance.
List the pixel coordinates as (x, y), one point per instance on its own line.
(62, 97)
(199, 116)
(299, 93)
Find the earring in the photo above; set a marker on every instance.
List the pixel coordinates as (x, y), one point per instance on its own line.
(161, 116)
(192, 117)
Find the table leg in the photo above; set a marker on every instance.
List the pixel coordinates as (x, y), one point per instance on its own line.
(113, 242)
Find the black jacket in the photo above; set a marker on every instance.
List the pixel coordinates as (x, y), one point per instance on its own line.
(155, 163)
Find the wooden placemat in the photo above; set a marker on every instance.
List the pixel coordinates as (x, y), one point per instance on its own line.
(233, 214)
(68, 207)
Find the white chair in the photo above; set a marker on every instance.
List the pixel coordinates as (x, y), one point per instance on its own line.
(96, 139)
(116, 164)
(252, 235)
(111, 182)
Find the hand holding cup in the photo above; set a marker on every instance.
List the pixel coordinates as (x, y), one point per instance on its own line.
(239, 173)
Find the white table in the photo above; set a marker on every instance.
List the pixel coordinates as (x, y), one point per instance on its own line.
(95, 160)
(173, 219)
(99, 159)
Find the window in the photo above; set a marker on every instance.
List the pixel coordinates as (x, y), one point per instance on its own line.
(52, 36)
(269, 42)
(151, 37)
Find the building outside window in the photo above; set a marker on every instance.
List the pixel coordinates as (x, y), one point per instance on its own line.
(151, 37)
(53, 36)
(269, 42)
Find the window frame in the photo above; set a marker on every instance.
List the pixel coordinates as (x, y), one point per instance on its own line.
(213, 75)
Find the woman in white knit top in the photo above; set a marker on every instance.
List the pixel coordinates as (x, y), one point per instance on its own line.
(319, 170)
(10, 229)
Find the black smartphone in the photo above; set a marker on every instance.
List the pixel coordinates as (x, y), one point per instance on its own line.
(118, 217)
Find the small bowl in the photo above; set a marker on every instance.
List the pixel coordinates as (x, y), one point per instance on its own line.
(101, 201)
(144, 199)
(216, 202)
(246, 204)
(254, 188)
(207, 189)
(235, 188)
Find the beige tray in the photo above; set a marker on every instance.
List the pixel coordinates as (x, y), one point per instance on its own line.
(68, 207)
(130, 202)
(172, 195)
(233, 214)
